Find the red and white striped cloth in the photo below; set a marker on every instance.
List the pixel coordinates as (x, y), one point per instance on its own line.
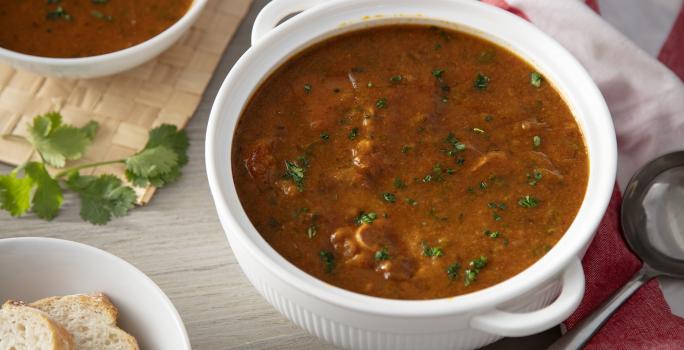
(634, 51)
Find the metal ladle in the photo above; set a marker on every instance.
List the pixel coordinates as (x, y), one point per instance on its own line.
(653, 225)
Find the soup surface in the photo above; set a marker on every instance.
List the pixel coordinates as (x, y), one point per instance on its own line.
(80, 28)
(409, 162)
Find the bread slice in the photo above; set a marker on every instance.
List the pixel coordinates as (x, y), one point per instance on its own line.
(25, 328)
(91, 319)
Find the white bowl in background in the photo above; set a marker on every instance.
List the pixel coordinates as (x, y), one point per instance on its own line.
(525, 304)
(106, 64)
(33, 268)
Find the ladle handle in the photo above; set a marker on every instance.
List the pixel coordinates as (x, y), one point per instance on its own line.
(581, 333)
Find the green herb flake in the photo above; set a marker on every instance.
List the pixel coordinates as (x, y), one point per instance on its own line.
(58, 13)
(438, 46)
(536, 79)
(382, 254)
(455, 145)
(481, 81)
(353, 133)
(536, 141)
(399, 183)
(483, 186)
(431, 252)
(99, 15)
(474, 268)
(325, 136)
(389, 197)
(478, 131)
(411, 201)
(405, 149)
(311, 231)
(295, 173)
(365, 218)
(438, 73)
(396, 79)
(328, 260)
(528, 202)
(496, 216)
(452, 271)
(381, 103)
(534, 178)
(488, 118)
(492, 234)
(307, 88)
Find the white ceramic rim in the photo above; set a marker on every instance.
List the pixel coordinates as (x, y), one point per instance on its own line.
(570, 246)
(195, 7)
(106, 255)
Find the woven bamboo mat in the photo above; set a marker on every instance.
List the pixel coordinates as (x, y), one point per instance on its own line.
(164, 90)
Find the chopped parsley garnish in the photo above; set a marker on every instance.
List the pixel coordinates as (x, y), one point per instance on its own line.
(528, 202)
(492, 234)
(432, 252)
(99, 15)
(99, 2)
(405, 149)
(399, 183)
(483, 185)
(438, 46)
(300, 211)
(325, 136)
(536, 79)
(473, 270)
(381, 103)
(535, 177)
(365, 218)
(396, 79)
(488, 118)
(307, 88)
(478, 131)
(328, 260)
(59, 13)
(495, 205)
(382, 254)
(353, 133)
(536, 141)
(438, 73)
(496, 216)
(295, 173)
(452, 271)
(481, 81)
(456, 146)
(311, 231)
(389, 197)
(411, 201)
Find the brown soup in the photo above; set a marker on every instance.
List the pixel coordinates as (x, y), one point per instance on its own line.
(409, 162)
(81, 28)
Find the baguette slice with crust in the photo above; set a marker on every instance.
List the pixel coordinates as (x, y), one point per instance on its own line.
(91, 319)
(25, 328)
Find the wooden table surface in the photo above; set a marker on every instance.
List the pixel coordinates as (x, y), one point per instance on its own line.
(177, 241)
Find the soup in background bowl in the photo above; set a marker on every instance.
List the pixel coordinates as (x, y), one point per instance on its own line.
(81, 39)
(81, 28)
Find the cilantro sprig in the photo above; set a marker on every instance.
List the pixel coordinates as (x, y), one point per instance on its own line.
(31, 186)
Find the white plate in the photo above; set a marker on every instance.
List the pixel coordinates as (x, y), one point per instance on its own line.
(34, 268)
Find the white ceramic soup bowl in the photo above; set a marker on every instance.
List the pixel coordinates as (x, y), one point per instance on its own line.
(536, 299)
(33, 268)
(107, 64)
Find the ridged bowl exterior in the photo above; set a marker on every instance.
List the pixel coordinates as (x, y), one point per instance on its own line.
(342, 328)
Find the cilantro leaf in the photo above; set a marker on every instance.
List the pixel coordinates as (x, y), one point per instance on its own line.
(102, 197)
(60, 141)
(57, 142)
(159, 162)
(47, 199)
(15, 193)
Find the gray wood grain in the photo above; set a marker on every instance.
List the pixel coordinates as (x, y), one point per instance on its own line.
(177, 241)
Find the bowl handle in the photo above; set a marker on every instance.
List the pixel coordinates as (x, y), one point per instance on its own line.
(509, 324)
(271, 15)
